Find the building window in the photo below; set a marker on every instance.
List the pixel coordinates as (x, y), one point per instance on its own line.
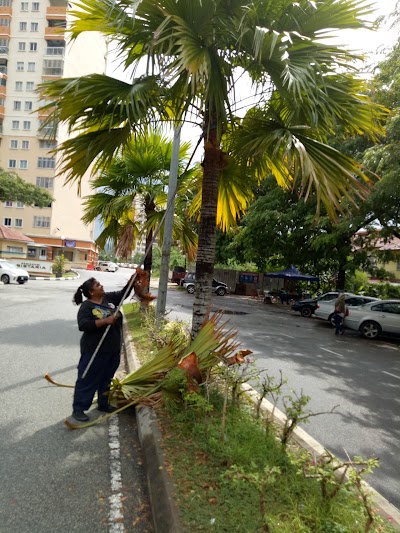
(33, 47)
(43, 252)
(18, 86)
(35, 6)
(23, 26)
(31, 252)
(41, 222)
(23, 164)
(7, 221)
(8, 203)
(21, 46)
(17, 105)
(28, 106)
(25, 145)
(15, 125)
(44, 182)
(14, 144)
(30, 85)
(20, 204)
(5, 3)
(49, 145)
(31, 67)
(12, 163)
(20, 66)
(34, 26)
(18, 222)
(24, 6)
(53, 67)
(27, 124)
(46, 162)
(15, 249)
(5, 22)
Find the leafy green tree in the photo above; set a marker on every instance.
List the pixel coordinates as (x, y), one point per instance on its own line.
(194, 51)
(134, 184)
(280, 229)
(15, 189)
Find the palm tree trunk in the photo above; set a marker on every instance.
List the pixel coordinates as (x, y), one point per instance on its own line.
(213, 162)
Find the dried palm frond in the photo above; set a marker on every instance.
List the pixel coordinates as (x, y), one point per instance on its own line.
(213, 344)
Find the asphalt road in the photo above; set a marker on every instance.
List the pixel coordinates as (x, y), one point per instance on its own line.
(361, 377)
(54, 480)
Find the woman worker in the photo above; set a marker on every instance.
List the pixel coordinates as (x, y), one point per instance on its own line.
(95, 314)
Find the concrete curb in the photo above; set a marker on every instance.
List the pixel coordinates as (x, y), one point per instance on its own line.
(162, 494)
(38, 278)
(161, 490)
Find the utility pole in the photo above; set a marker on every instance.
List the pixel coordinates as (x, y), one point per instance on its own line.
(169, 220)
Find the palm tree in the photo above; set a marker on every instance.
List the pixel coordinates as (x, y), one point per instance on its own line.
(194, 52)
(130, 198)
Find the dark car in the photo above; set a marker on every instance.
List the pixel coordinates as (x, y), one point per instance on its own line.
(189, 277)
(218, 287)
(308, 306)
(178, 274)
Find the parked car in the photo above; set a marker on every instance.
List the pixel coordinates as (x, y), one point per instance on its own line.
(375, 318)
(179, 273)
(10, 272)
(308, 306)
(326, 309)
(107, 266)
(190, 277)
(218, 287)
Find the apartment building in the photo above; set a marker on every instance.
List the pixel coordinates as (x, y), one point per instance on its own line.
(34, 48)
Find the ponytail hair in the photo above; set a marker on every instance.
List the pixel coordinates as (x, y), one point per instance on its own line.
(84, 290)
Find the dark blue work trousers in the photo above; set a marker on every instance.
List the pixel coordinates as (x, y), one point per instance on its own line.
(98, 379)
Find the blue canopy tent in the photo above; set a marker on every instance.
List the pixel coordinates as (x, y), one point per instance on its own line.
(291, 273)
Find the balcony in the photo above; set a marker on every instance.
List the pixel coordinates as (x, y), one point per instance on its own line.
(5, 31)
(3, 69)
(53, 32)
(3, 50)
(54, 51)
(5, 11)
(56, 13)
(2, 111)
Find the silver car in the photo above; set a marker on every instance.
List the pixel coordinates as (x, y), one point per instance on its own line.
(326, 310)
(375, 318)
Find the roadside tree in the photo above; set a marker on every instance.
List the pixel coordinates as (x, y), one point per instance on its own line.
(131, 197)
(15, 189)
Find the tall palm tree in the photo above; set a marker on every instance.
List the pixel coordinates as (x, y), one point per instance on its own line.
(194, 51)
(130, 197)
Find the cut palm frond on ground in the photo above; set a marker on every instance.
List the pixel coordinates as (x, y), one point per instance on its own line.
(212, 346)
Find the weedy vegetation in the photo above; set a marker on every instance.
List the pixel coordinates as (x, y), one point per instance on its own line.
(234, 469)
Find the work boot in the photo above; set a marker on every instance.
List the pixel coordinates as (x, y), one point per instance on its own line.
(80, 416)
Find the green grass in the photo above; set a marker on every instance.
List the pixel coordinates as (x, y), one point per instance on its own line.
(243, 480)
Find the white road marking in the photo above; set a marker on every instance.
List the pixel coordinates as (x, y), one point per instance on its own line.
(334, 353)
(389, 374)
(115, 515)
(289, 336)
